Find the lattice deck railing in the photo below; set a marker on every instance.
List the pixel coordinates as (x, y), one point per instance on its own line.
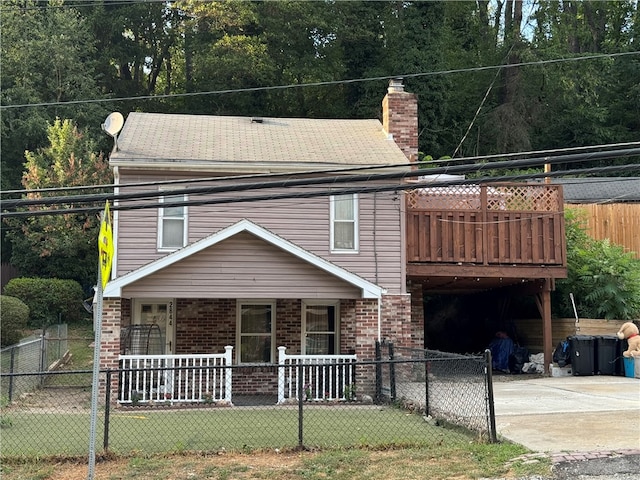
(486, 224)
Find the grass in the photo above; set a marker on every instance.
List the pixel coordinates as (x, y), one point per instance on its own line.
(413, 463)
(80, 337)
(215, 429)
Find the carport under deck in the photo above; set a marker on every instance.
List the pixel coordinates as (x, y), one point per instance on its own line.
(465, 239)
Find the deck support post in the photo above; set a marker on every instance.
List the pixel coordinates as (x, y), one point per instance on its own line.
(543, 300)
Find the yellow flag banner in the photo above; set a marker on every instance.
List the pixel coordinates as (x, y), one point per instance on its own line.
(105, 246)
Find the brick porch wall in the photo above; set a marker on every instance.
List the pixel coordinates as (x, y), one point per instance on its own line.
(417, 314)
(112, 311)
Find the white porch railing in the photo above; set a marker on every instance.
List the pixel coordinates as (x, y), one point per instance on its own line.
(324, 377)
(175, 378)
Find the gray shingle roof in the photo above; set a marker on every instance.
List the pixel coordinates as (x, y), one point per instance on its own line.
(600, 189)
(239, 143)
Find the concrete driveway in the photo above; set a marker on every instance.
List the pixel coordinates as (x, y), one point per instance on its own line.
(569, 414)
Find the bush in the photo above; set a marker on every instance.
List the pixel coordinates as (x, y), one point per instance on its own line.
(15, 315)
(48, 299)
(604, 280)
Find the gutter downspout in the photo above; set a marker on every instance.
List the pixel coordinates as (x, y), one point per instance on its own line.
(115, 226)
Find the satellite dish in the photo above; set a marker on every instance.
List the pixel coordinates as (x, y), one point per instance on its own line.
(113, 124)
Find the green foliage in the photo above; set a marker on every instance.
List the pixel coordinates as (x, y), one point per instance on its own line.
(15, 315)
(604, 280)
(62, 246)
(48, 299)
(48, 55)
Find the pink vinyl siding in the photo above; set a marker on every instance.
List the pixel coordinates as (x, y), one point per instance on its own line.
(302, 221)
(246, 264)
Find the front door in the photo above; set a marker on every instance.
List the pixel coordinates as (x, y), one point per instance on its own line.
(156, 324)
(154, 321)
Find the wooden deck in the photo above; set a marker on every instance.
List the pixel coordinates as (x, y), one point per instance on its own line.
(477, 234)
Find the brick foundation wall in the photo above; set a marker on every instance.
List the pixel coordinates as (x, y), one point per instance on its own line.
(255, 381)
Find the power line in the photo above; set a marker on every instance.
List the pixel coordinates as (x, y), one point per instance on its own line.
(321, 84)
(342, 179)
(339, 171)
(310, 194)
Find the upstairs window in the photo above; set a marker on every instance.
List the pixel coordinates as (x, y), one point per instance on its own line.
(172, 223)
(344, 223)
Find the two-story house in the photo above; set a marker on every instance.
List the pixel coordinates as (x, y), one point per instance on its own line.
(311, 264)
(246, 235)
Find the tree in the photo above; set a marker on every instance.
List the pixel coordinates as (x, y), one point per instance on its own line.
(587, 102)
(47, 54)
(62, 246)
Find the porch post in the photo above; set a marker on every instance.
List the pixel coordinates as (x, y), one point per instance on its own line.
(281, 373)
(228, 357)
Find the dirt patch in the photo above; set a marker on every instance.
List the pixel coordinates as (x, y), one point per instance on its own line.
(55, 400)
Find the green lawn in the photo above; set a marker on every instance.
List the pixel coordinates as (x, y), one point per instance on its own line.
(231, 429)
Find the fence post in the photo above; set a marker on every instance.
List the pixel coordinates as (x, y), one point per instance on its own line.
(493, 437)
(300, 403)
(378, 372)
(11, 367)
(43, 355)
(282, 372)
(426, 383)
(107, 411)
(392, 372)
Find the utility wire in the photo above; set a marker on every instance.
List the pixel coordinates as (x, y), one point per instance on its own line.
(335, 180)
(339, 171)
(310, 194)
(321, 84)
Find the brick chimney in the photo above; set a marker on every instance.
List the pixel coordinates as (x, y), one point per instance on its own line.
(400, 118)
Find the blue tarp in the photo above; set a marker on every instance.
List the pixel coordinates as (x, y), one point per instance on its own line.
(501, 348)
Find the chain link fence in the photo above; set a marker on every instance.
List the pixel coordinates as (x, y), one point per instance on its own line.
(444, 387)
(54, 418)
(37, 353)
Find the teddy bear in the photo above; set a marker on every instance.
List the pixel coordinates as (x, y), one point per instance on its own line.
(629, 331)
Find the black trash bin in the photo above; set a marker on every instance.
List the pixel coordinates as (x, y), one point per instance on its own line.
(608, 351)
(583, 354)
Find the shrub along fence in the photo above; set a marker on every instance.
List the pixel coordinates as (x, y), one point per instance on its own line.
(416, 401)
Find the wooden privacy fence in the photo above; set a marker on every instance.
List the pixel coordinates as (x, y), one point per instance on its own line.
(619, 222)
(529, 331)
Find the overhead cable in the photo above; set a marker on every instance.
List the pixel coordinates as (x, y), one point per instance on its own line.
(321, 84)
(99, 202)
(339, 179)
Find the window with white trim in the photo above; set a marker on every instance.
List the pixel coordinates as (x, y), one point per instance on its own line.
(320, 327)
(344, 223)
(256, 328)
(172, 223)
